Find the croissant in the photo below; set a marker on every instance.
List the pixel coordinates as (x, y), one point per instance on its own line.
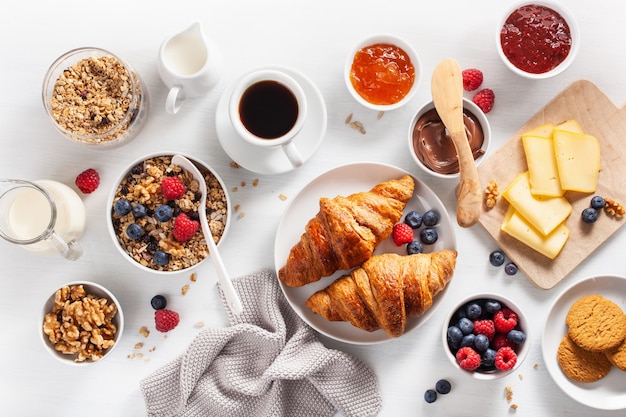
(345, 231)
(386, 290)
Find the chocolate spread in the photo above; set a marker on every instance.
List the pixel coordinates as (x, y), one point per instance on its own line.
(433, 146)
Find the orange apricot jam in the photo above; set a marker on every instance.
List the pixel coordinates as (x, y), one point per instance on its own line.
(382, 73)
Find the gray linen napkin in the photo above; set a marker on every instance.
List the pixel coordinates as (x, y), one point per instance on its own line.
(268, 362)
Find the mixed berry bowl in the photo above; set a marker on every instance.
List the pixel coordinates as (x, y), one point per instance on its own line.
(486, 335)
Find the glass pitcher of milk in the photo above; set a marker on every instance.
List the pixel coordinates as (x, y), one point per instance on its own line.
(43, 216)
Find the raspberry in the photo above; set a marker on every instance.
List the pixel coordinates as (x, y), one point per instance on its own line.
(484, 99)
(505, 320)
(472, 79)
(166, 320)
(500, 340)
(505, 358)
(88, 181)
(172, 188)
(468, 358)
(184, 228)
(401, 234)
(485, 327)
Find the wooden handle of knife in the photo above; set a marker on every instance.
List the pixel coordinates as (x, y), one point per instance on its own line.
(469, 194)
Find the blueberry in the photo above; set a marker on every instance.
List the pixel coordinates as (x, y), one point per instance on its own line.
(474, 311)
(160, 258)
(496, 258)
(430, 218)
(430, 396)
(492, 306)
(443, 386)
(488, 358)
(465, 325)
(481, 343)
(158, 302)
(134, 231)
(163, 213)
(589, 215)
(413, 219)
(414, 247)
(139, 211)
(454, 337)
(428, 236)
(122, 207)
(597, 202)
(510, 268)
(468, 340)
(516, 336)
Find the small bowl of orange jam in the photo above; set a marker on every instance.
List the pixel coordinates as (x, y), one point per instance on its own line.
(382, 72)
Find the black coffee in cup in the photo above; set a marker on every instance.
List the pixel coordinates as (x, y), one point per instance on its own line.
(268, 109)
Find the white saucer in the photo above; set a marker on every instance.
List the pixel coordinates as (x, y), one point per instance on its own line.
(273, 160)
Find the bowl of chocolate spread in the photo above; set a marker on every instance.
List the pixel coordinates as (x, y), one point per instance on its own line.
(432, 148)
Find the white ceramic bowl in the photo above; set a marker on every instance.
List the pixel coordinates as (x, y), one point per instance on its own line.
(384, 39)
(574, 32)
(469, 106)
(145, 263)
(91, 288)
(521, 350)
(111, 133)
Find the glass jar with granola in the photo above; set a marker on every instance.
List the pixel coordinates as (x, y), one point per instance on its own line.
(95, 97)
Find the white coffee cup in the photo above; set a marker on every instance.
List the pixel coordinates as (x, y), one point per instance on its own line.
(268, 108)
(189, 64)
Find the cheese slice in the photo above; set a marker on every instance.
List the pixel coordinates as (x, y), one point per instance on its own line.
(544, 213)
(542, 170)
(516, 226)
(570, 126)
(577, 159)
(543, 131)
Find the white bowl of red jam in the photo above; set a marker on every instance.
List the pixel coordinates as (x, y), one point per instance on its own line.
(431, 147)
(382, 72)
(538, 39)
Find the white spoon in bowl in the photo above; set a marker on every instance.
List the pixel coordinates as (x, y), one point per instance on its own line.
(232, 298)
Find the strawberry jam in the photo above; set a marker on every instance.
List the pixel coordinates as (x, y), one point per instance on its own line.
(382, 73)
(535, 38)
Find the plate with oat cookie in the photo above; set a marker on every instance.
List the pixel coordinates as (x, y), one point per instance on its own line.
(607, 390)
(343, 182)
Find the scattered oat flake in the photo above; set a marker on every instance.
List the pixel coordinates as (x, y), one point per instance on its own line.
(138, 345)
(193, 277)
(513, 406)
(241, 215)
(255, 182)
(199, 324)
(536, 365)
(508, 390)
(234, 164)
(237, 206)
(144, 331)
(282, 196)
(349, 118)
(235, 189)
(152, 349)
(358, 126)
(380, 115)
(243, 183)
(184, 290)
(521, 376)
(139, 355)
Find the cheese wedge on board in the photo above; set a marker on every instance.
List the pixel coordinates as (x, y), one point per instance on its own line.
(544, 213)
(577, 159)
(516, 226)
(570, 125)
(543, 173)
(543, 131)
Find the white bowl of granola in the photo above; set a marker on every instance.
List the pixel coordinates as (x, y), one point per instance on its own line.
(94, 97)
(153, 209)
(81, 323)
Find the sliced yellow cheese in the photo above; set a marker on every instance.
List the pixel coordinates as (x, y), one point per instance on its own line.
(516, 226)
(543, 131)
(544, 213)
(570, 126)
(543, 174)
(577, 159)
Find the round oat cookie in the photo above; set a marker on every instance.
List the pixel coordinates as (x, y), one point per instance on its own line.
(596, 323)
(617, 355)
(579, 364)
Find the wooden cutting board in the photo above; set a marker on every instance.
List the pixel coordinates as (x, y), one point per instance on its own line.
(598, 116)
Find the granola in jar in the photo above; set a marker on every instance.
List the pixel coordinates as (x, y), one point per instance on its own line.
(94, 97)
(147, 235)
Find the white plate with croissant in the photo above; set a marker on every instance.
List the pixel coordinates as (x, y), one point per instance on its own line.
(340, 269)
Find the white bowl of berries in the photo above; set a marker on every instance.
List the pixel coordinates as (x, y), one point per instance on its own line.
(486, 335)
(153, 214)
